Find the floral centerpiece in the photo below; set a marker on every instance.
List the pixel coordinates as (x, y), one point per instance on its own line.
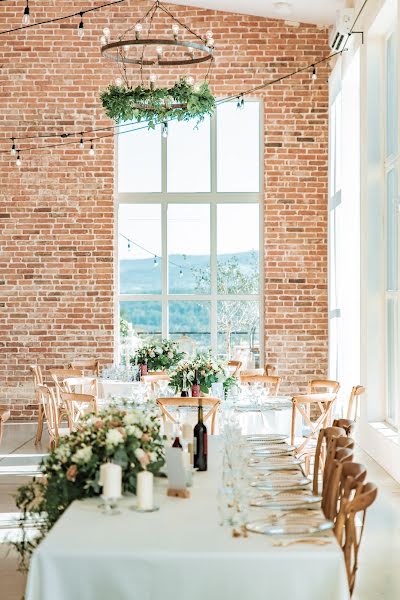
(209, 370)
(159, 355)
(130, 438)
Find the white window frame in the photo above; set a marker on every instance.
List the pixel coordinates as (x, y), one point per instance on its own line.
(212, 198)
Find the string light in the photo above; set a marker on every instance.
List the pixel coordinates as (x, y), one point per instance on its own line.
(81, 143)
(155, 261)
(314, 73)
(181, 273)
(26, 16)
(138, 29)
(129, 245)
(164, 130)
(91, 151)
(156, 257)
(175, 30)
(240, 102)
(81, 31)
(18, 161)
(107, 33)
(13, 149)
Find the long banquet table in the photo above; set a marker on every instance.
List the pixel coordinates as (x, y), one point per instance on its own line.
(177, 553)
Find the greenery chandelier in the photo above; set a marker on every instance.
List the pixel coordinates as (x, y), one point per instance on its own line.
(184, 100)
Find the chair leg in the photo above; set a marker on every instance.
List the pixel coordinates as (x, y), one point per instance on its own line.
(39, 430)
(1, 429)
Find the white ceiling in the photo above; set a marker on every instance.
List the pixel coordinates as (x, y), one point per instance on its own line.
(320, 12)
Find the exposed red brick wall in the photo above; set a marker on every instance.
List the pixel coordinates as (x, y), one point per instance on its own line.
(57, 212)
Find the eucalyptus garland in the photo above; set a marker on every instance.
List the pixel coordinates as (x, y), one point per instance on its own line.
(182, 102)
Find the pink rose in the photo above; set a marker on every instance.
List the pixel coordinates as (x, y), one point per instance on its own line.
(145, 438)
(144, 460)
(72, 472)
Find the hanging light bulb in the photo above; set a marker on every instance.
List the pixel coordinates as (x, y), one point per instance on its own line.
(81, 143)
(138, 29)
(209, 35)
(175, 30)
(81, 31)
(240, 102)
(129, 245)
(314, 73)
(107, 33)
(189, 80)
(26, 16)
(210, 42)
(180, 273)
(159, 51)
(13, 149)
(153, 79)
(103, 40)
(164, 130)
(155, 262)
(91, 151)
(118, 81)
(18, 161)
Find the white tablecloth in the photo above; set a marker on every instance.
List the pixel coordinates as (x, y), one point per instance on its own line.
(109, 387)
(178, 553)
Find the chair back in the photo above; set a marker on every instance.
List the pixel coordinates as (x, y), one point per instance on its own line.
(304, 405)
(269, 381)
(318, 386)
(234, 367)
(37, 374)
(332, 486)
(212, 403)
(49, 405)
(58, 375)
(269, 369)
(80, 385)
(348, 532)
(89, 366)
(77, 405)
(352, 408)
(324, 436)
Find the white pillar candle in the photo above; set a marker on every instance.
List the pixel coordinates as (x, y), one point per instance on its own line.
(144, 490)
(111, 480)
(187, 431)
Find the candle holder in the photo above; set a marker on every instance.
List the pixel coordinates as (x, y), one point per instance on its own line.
(144, 510)
(109, 506)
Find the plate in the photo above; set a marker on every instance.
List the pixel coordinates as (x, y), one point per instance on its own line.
(269, 438)
(274, 467)
(276, 486)
(272, 450)
(287, 502)
(279, 461)
(264, 527)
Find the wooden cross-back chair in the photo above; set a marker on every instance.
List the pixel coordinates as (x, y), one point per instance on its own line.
(89, 366)
(348, 534)
(302, 405)
(153, 379)
(325, 435)
(320, 386)
(49, 405)
(348, 423)
(269, 381)
(38, 380)
(80, 385)
(234, 367)
(58, 376)
(211, 403)
(331, 490)
(77, 405)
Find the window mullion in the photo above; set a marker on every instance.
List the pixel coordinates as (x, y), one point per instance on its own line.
(164, 262)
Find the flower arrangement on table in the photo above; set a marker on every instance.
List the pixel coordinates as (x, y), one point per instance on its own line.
(159, 356)
(209, 370)
(130, 438)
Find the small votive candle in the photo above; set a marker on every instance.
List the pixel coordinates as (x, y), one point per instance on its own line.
(111, 480)
(144, 490)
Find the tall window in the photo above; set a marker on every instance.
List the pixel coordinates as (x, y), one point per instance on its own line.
(392, 237)
(189, 231)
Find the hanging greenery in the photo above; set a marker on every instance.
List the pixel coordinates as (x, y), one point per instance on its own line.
(157, 105)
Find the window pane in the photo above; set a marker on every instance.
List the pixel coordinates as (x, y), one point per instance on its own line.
(189, 248)
(391, 96)
(392, 230)
(238, 147)
(145, 317)
(238, 248)
(139, 160)
(392, 367)
(138, 273)
(338, 144)
(190, 320)
(188, 167)
(238, 329)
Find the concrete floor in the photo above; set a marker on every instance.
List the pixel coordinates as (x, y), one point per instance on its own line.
(378, 575)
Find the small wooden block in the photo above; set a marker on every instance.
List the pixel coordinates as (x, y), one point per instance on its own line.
(178, 493)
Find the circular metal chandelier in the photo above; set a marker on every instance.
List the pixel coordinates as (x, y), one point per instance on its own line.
(169, 51)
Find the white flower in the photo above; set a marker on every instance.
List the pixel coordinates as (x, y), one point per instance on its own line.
(152, 354)
(159, 350)
(83, 455)
(130, 418)
(152, 456)
(114, 437)
(139, 453)
(170, 355)
(62, 453)
(134, 430)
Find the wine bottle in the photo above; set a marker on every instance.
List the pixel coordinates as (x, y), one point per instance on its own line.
(184, 392)
(177, 443)
(195, 386)
(200, 442)
(143, 367)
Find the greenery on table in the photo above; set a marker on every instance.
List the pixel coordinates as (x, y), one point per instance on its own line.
(159, 356)
(130, 438)
(209, 370)
(156, 105)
